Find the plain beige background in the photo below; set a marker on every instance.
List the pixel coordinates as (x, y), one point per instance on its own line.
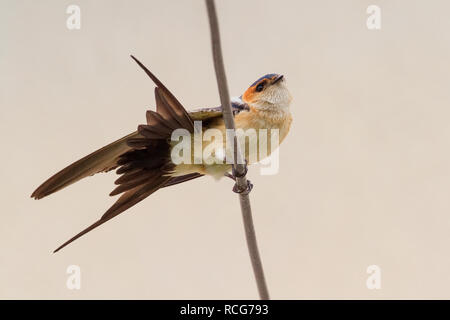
(364, 176)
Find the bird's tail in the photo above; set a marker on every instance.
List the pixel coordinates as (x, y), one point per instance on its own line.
(144, 164)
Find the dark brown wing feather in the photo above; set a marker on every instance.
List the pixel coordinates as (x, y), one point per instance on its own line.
(180, 179)
(102, 160)
(169, 107)
(205, 114)
(127, 200)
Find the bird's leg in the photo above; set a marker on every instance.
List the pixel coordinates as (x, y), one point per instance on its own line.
(229, 175)
(233, 170)
(246, 190)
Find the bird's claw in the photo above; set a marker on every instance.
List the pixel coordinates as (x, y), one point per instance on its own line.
(244, 191)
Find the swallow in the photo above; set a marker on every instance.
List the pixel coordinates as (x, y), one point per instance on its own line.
(143, 158)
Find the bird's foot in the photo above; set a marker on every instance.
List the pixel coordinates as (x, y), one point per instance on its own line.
(235, 174)
(236, 188)
(244, 191)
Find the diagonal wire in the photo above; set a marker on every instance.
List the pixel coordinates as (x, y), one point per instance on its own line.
(239, 166)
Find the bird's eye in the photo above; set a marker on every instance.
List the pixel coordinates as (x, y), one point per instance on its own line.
(260, 87)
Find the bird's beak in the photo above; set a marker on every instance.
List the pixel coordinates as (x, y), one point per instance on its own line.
(277, 79)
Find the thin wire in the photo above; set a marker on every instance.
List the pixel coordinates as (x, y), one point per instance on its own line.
(240, 167)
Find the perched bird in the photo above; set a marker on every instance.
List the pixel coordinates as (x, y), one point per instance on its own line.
(143, 158)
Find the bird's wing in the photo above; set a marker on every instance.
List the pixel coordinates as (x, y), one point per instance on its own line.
(237, 106)
(106, 158)
(102, 160)
(184, 178)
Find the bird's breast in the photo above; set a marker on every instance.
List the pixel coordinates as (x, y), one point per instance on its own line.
(255, 124)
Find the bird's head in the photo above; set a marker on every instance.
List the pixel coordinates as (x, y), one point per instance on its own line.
(268, 91)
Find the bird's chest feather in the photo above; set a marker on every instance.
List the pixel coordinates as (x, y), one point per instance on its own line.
(272, 126)
(279, 120)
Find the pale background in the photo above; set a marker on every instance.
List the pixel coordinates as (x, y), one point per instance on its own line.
(364, 176)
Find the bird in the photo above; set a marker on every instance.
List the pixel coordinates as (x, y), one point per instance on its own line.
(143, 158)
